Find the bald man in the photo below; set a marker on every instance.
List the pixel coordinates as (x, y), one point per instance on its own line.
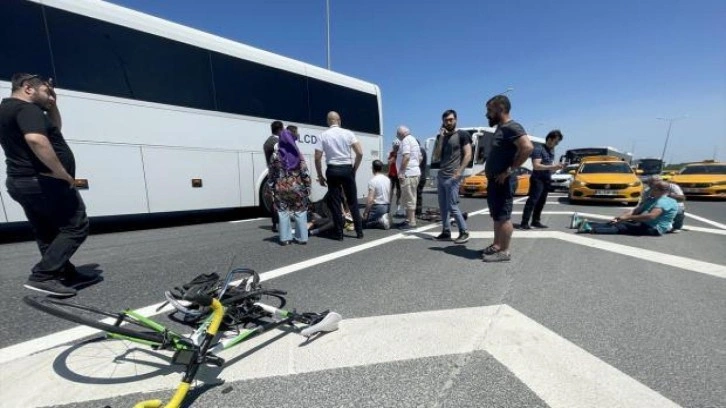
(338, 146)
(407, 163)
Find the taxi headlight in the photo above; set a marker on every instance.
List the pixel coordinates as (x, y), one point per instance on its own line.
(636, 184)
(578, 183)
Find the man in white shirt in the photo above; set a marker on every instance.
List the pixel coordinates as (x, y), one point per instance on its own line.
(379, 199)
(338, 145)
(407, 164)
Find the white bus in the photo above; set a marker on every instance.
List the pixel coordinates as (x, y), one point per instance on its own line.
(165, 118)
(481, 138)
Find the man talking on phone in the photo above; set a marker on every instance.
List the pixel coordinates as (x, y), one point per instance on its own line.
(40, 177)
(511, 147)
(453, 152)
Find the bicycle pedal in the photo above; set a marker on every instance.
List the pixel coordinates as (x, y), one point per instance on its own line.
(214, 360)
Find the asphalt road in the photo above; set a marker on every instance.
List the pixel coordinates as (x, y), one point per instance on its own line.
(645, 316)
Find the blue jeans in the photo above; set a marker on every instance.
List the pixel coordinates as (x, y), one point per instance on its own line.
(374, 217)
(301, 226)
(627, 228)
(448, 190)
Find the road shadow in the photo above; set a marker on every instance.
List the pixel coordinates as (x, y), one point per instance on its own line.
(460, 251)
(91, 270)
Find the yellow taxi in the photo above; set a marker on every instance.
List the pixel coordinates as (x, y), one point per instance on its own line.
(476, 185)
(605, 179)
(705, 179)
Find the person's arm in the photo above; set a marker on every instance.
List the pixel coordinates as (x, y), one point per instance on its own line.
(53, 112)
(649, 216)
(31, 121)
(369, 202)
(404, 164)
(41, 147)
(358, 155)
(319, 167)
(524, 149)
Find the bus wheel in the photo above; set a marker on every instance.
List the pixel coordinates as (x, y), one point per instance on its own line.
(265, 198)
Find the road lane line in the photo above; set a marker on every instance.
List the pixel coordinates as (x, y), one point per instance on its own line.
(706, 220)
(706, 230)
(561, 373)
(248, 220)
(680, 262)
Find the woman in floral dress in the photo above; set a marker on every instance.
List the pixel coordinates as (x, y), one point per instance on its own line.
(289, 182)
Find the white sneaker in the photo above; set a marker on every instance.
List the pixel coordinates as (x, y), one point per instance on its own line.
(575, 221)
(385, 222)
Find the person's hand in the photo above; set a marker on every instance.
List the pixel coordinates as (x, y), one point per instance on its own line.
(456, 174)
(559, 166)
(65, 177)
(53, 100)
(321, 180)
(442, 131)
(502, 177)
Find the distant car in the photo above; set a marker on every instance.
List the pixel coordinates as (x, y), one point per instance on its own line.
(603, 179)
(476, 185)
(705, 179)
(562, 178)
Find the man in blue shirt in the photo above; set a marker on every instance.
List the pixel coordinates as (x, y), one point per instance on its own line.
(654, 216)
(543, 157)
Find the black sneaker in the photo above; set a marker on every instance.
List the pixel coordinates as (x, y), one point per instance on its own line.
(524, 226)
(51, 287)
(538, 224)
(77, 279)
(444, 236)
(463, 238)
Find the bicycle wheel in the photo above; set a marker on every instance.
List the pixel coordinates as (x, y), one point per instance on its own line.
(103, 360)
(116, 323)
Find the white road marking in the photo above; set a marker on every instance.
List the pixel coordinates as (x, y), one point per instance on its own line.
(706, 220)
(520, 200)
(561, 373)
(680, 262)
(706, 230)
(249, 220)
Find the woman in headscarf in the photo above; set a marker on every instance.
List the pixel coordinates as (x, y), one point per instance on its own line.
(289, 181)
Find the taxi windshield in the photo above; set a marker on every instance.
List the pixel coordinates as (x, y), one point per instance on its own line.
(705, 169)
(614, 167)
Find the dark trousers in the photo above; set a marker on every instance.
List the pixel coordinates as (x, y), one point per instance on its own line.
(58, 217)
(419, 194)
(627, 228)
(538, 190)
(341, 180)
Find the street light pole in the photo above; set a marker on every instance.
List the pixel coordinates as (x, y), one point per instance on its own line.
(327, 30)
(668, 133)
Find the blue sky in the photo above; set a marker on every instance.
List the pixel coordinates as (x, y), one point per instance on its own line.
(600, 72)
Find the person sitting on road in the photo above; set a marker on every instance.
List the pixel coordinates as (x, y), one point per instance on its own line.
(320, 219)
(653, 217)
(675, 192)
(379, 199)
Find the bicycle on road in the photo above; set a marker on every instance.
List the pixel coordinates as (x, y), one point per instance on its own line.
(209, 304)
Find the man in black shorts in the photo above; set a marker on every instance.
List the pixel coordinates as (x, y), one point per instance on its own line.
(509, 151)
(41, 170)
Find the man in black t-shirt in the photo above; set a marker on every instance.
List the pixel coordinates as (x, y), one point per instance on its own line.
(510, 149)
(543, 164)
(40, 177)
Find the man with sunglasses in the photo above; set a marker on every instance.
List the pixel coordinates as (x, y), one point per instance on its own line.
(40, 177)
